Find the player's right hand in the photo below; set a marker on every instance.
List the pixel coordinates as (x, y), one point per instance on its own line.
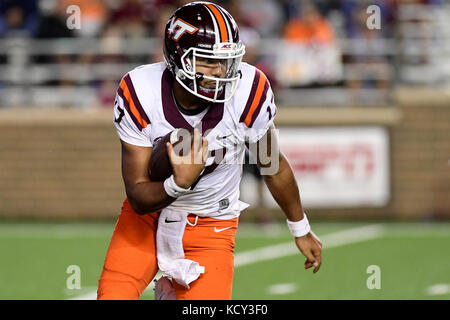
(311, 247)
(187, 168)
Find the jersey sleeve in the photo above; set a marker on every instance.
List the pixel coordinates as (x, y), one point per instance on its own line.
(260, 109)
(132, 124)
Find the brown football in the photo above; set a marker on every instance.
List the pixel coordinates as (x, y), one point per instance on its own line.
(160, 167)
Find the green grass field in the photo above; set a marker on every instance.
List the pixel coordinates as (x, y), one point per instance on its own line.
(413, 259)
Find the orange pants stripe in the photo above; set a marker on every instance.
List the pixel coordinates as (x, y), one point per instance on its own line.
(131, 263)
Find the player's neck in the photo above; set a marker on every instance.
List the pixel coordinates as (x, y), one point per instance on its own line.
(187, 100)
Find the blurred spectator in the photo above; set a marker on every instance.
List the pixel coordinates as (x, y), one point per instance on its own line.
(309, 28)
(266, 16)
(368, 64)
(234, 7)
(160, 25)
(106, 94)
(129, 19)
(93, 15)
(134, 19)
(353, 11)
(18, 18)
(53, 21)
(310, 54)
(252, 41)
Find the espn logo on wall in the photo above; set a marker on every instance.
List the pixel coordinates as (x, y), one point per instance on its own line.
(339, 166)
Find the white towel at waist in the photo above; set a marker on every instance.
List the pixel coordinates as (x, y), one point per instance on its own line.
(169, 248)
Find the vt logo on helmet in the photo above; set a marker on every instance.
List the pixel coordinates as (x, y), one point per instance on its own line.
(178, 27)
(203, 33)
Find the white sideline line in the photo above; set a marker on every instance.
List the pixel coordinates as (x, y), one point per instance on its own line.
(59, 231)
(331, 240)
(438, 289)
(281, 288)
(88, 296)
(91, 294)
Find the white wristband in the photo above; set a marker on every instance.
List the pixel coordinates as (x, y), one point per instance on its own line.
(172, 189)
(299, 228)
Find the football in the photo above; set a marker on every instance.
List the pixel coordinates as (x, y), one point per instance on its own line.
(160, 167)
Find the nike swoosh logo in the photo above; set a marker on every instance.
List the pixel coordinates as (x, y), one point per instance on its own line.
(169, 221)
(220, 230)
(224, 137)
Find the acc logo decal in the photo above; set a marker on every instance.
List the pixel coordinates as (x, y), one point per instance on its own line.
(178, 27)
(226, 46)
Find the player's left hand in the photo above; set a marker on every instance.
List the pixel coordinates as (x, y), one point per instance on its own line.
(311, 247)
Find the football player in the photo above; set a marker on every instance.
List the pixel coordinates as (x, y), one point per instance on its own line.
(202, 84)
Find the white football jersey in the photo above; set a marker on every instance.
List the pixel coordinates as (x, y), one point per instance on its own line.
(145, 110)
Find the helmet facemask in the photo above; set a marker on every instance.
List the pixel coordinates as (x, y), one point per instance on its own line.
(228, 55)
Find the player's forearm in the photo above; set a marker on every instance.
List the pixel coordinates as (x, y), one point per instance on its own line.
(284, 190)
(147, 197)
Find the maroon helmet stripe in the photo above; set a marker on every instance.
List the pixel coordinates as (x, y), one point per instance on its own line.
(251, 97)
(135, 98)
(261, 102)
(223, 31)
(215, 24)
(229, 25)
(127, 107)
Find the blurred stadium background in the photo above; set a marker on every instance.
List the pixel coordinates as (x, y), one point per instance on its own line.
(364, 117)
